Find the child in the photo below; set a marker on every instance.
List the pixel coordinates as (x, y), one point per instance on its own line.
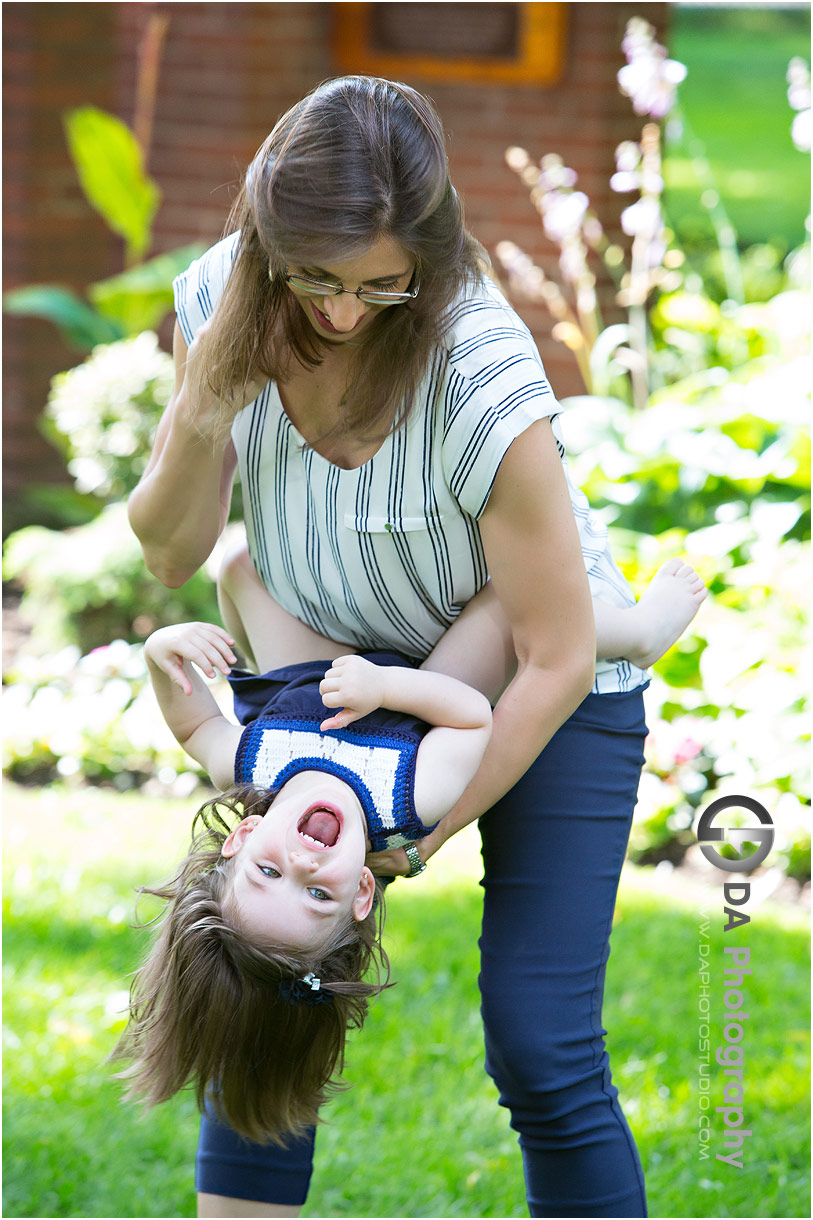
(271, 924)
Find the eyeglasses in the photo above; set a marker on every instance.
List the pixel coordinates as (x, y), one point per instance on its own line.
(304, 283)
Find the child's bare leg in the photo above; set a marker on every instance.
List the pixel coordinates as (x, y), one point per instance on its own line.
(268, 636)
(478, 647)
(223, 1205)
(644, 632)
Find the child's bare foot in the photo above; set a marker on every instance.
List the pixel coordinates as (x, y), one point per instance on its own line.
(673, 598)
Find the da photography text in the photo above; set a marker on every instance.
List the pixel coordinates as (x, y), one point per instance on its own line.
(729, 1048)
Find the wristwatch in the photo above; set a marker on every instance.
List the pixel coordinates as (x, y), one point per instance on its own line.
(416, 865)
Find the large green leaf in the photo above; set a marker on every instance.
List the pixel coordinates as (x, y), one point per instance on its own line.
(140, 298)
(81, 327)
(110, 166)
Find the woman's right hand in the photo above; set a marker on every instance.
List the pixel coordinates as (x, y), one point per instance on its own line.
(181, 504)
(206, 412)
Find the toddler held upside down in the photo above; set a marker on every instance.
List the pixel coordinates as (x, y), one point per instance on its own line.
(269, 945)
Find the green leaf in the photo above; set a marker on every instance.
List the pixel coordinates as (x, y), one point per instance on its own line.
(110, 166)
(63, 505)
(81, 327)
(140, 298)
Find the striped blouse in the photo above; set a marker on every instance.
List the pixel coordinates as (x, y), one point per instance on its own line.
(385, 556)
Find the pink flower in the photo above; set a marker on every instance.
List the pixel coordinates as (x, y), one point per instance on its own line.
(686, 750)
(555, 175)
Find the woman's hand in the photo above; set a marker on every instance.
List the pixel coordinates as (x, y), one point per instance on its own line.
(201, 644)
(394, 863)
(355, 685)
(207, 412)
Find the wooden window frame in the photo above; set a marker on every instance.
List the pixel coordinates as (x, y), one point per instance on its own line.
(541, 58)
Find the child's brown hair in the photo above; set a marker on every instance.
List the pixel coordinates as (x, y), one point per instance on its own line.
(234, 1018)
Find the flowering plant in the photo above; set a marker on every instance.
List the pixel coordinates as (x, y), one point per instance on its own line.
(798, 78)
(103, 413)
(92, 718)
(607, 356)
(713, 467)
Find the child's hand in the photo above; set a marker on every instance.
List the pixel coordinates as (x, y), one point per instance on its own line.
(203, 644)
(353, 684)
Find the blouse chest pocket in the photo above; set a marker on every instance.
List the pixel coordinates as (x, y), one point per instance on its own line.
(392, 525)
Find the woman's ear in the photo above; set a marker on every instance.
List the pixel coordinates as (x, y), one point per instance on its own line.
(238, 836)
(365, 895)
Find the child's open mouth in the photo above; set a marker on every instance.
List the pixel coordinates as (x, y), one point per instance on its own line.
(320, 827)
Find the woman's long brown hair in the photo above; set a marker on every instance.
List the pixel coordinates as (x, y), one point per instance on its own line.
(359, 159)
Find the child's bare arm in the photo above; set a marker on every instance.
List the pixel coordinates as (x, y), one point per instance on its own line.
(359, 687)
(186, 702)
(449, 754)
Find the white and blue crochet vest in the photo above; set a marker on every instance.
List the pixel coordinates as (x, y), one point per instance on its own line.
(378, 762)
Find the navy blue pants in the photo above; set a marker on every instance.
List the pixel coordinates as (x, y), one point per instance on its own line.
(552, 851)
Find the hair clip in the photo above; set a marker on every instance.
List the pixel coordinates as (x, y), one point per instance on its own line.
(307, 990)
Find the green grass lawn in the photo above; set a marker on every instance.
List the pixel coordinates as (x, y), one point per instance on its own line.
(419, 1133)
(735, 101)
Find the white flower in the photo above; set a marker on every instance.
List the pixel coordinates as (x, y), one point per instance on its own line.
(649, 78)
(555, 175)
(798, 78)
(628, 156)
(800, 131)
(562, 214)
(642, 219)
(106, 409)
(517, 159)
(624, 181)
(571, 262)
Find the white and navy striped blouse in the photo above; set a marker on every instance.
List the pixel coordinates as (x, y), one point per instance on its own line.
(387, 555)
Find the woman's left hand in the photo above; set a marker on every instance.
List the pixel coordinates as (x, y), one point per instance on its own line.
(394, 863)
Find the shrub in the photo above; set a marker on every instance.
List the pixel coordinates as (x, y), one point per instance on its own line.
(91, 717)
(103, 414)
(88, 586)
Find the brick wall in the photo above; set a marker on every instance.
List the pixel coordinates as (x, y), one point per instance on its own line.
(227, 71)
(54, 56)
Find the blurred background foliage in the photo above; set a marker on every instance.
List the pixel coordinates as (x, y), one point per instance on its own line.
(712, 464)
(691, 440)
(727, 134)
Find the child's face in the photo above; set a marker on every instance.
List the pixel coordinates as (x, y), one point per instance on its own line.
(300, 867)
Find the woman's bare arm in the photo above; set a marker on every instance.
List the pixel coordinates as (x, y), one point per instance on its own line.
(181, 505)
(538, 574)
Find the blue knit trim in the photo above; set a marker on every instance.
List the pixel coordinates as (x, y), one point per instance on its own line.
(327, 765)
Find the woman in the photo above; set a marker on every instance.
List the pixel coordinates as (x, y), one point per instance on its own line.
(398, 448)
